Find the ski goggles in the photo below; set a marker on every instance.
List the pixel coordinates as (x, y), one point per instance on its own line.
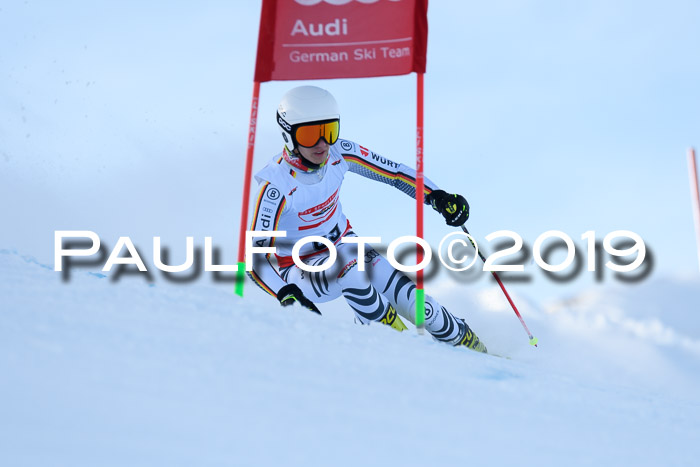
(308, 135)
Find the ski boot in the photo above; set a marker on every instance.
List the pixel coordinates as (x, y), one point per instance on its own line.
(468, 338)
(391, 318)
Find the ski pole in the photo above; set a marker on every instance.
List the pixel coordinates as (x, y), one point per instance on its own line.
(533, 339)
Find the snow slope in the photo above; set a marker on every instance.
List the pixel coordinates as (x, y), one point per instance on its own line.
(102, 373)
(131, 118)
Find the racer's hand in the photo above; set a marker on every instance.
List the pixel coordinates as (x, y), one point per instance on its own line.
(454, 208)
(291, 293)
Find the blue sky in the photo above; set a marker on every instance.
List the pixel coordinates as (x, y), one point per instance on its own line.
(130, 119)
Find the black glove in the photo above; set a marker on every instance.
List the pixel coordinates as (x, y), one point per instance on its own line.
(454, 208)
(291, 293)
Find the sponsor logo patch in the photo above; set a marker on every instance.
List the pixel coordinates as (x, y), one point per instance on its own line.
(320, 212)
(284, 124)
(273, 193)
(370, 255)
(347, 268)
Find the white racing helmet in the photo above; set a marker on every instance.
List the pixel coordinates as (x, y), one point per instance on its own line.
(305, 115)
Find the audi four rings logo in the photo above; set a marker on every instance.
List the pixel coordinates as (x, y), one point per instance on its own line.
(336, 2)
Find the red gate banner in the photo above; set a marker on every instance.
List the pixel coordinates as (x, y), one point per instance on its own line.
(317, 39)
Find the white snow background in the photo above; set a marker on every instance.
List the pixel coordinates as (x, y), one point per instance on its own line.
(130, 119)
(101, 374)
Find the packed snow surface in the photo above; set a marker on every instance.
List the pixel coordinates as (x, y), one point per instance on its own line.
(103, 372)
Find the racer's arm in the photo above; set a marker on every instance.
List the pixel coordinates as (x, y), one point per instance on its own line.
(453, 207)
(269, 206)
(369, 164)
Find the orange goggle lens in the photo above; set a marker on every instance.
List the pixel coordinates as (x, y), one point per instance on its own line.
(309, 135)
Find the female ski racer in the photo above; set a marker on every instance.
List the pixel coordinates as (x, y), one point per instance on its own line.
(299, 194)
